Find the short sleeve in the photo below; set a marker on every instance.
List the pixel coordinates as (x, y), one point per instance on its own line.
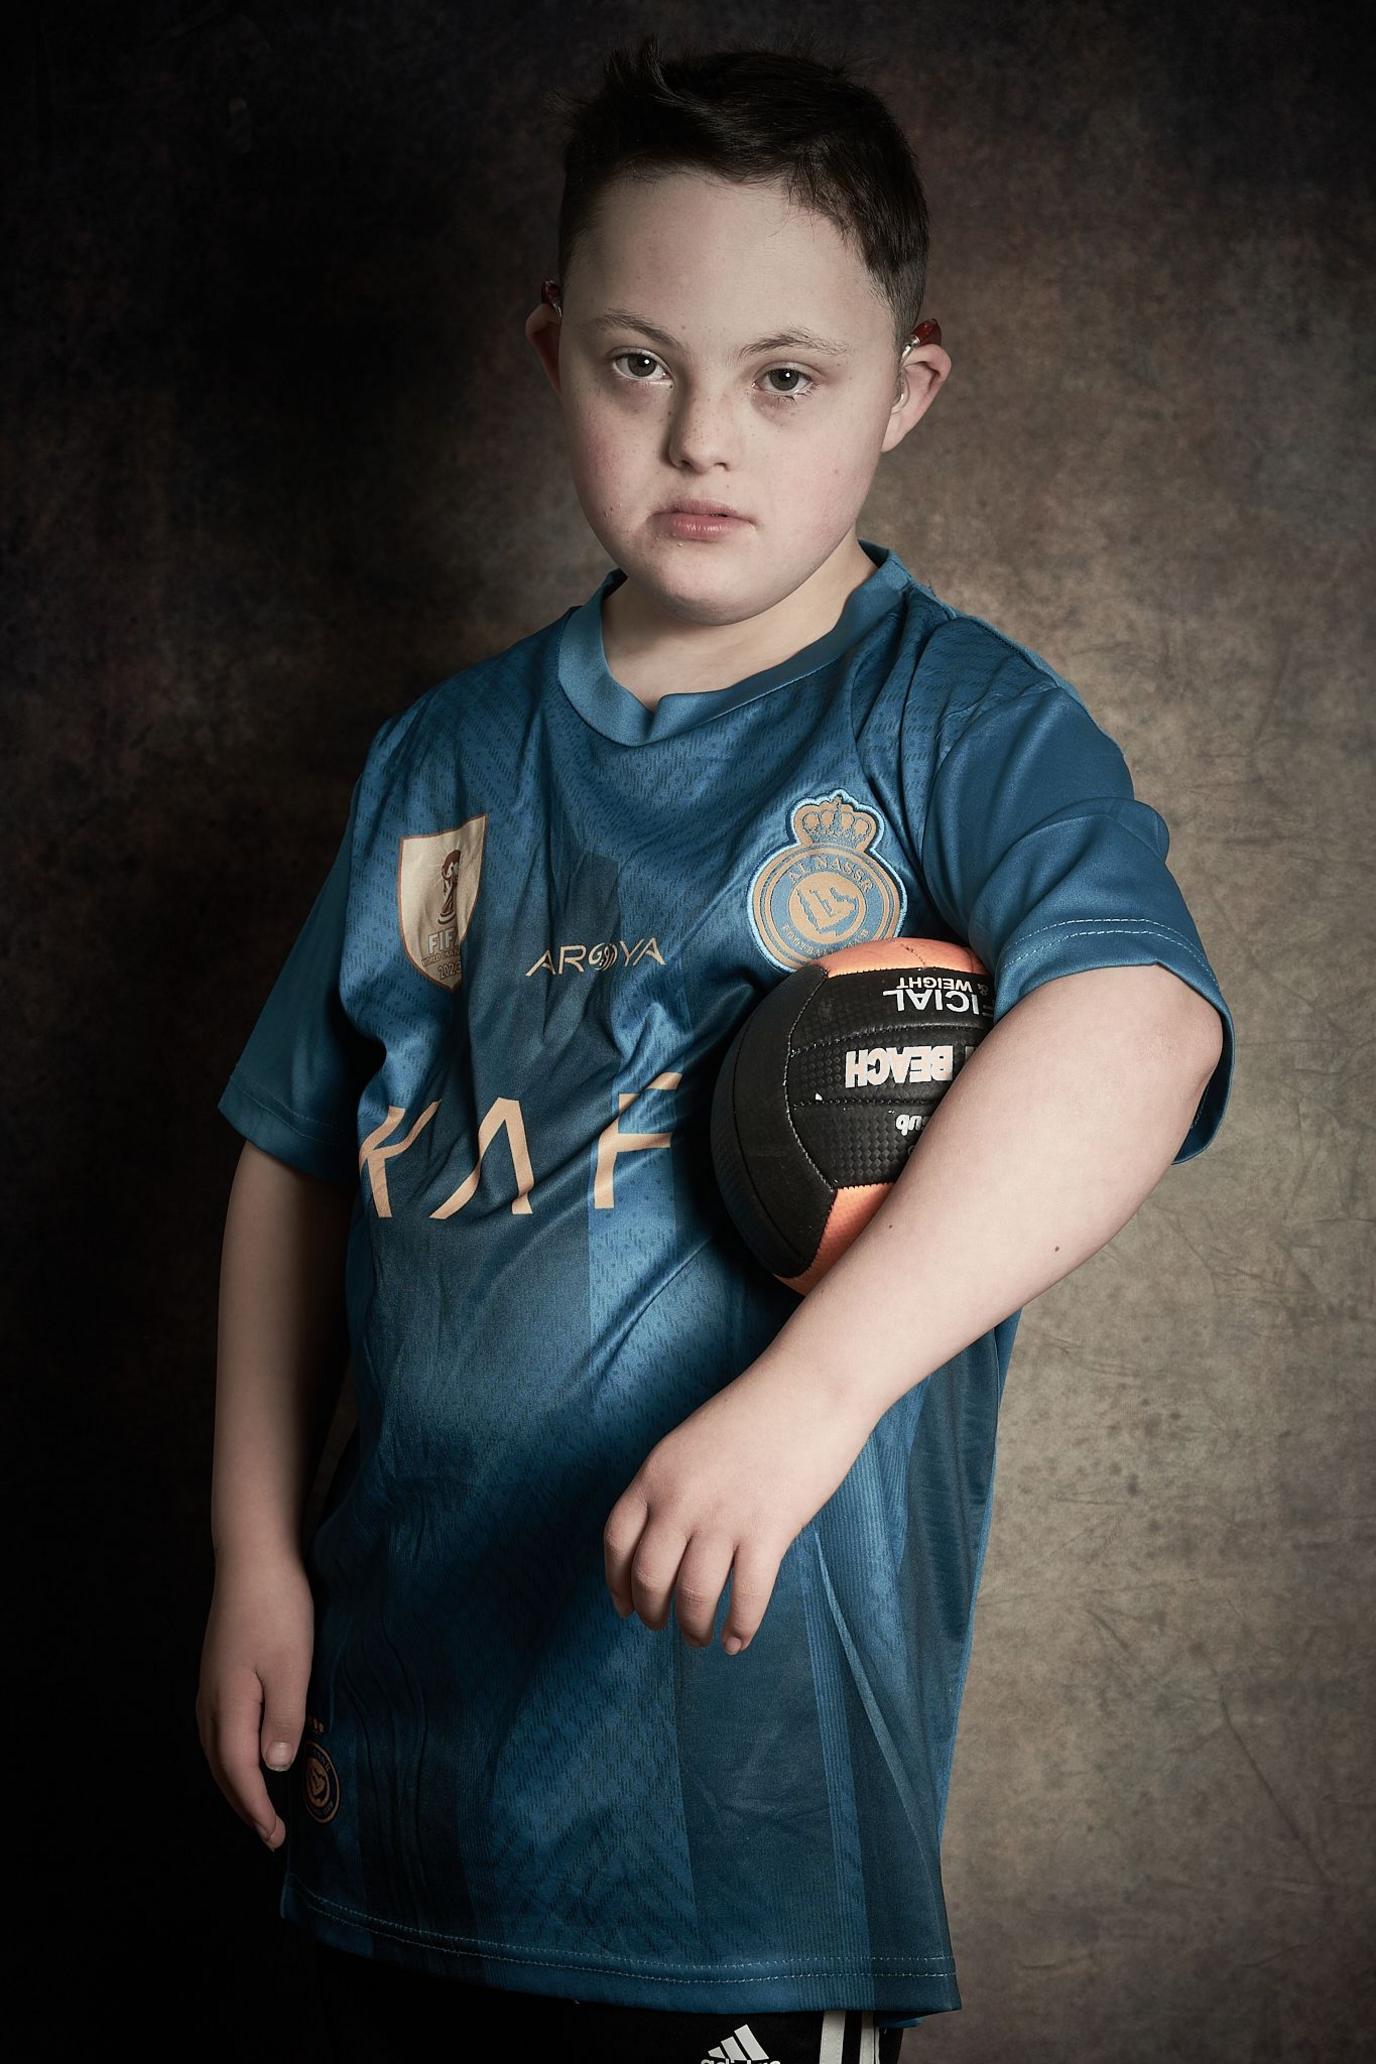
(1038, 855)
(295, 1088)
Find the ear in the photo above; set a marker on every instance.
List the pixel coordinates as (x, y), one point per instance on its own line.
(923, 371)
(542, 328)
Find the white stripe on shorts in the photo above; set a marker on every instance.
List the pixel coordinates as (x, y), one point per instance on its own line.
(831, 2049)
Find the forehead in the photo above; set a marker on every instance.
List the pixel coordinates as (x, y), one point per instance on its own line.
(693, 260)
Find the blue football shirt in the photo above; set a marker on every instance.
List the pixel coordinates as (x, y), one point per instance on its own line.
(499, 1027)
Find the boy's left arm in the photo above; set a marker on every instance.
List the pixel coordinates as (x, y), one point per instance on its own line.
(1109, 1058)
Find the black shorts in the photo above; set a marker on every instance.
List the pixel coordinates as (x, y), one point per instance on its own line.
(382, 2012)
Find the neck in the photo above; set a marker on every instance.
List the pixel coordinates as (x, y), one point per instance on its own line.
(653, 652)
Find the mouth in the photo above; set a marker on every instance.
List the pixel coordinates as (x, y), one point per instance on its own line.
(702, 509)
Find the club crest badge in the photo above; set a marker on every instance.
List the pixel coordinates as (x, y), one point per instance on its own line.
(437, 886)
(319, 1782)
(827, 888)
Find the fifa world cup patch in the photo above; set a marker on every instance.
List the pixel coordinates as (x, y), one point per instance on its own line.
(826, 887)
(437, 887)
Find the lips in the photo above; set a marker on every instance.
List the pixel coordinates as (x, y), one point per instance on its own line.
(700, 509)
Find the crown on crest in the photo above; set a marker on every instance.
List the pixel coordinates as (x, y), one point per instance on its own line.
(836, 823)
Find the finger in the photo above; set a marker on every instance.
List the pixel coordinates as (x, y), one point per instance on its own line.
(753, 1576)
(620, 1539)
(654, 1568)
(702, 1576)
(214, 1732)
(284, 1708)
(235, 1734)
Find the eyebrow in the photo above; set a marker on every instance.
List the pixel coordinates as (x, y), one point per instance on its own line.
(782, 340)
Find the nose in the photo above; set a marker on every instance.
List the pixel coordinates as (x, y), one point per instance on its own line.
(703, 432)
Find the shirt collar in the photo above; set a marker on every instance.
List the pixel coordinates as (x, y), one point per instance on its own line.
(613, 710)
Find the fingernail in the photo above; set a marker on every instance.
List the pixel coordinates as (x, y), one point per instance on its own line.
(279, 1755)
(266, 1833)
(733, 1644)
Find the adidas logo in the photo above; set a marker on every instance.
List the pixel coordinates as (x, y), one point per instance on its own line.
(741, 2043)
(743, 2046)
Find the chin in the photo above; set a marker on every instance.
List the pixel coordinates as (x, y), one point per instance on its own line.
(695, 561)
(727, 596)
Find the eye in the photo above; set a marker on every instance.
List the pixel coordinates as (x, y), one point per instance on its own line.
(789, 392)
(786, 396)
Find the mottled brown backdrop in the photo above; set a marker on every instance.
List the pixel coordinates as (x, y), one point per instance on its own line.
(277, 457)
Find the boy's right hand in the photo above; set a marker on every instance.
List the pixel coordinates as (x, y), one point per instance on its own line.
(255, 1668)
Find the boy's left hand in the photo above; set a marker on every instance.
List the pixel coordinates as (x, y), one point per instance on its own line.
(725, 1494)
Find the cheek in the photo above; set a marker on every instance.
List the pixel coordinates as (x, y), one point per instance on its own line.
(831, 470)
(603, 449)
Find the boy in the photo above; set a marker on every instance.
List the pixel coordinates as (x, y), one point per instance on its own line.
(484, 1074)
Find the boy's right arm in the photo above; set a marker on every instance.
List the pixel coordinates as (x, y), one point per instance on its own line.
(282, 1347)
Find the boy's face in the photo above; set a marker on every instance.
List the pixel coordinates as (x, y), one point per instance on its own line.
(717, 267)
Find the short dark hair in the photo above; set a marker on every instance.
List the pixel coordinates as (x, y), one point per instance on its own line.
(753, 115)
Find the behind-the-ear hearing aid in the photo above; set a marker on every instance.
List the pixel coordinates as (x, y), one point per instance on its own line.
(925, 333)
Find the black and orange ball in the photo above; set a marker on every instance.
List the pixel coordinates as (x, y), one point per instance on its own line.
(826, 1087)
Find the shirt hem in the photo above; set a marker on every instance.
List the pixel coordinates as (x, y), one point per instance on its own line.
(928, 1983)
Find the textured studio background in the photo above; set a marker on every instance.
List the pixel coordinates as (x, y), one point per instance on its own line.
(277, 457)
